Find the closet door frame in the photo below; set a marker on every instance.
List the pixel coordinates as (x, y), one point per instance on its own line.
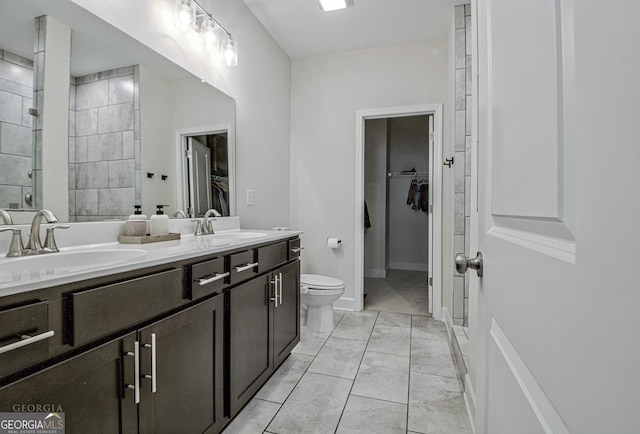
(435, 235)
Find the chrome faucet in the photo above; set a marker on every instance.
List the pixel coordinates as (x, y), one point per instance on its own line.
(34, 246)
(207, 227)
(178, 214)
(5, 217)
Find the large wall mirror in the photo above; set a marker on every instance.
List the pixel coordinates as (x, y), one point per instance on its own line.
(133, 120)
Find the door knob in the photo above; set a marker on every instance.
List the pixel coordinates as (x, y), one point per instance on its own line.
(463, 263)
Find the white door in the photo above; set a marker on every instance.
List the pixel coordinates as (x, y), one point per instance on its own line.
(558, 307)
(199, 159)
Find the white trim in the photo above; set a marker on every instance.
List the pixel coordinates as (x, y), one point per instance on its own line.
(375, 273)
(361, 116)
(544, 410)
(469, 396)
(448, 321)
(345, 303)
(181, 174)
(554, 247)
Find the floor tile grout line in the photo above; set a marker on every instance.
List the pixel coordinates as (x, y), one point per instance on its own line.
(357, 371)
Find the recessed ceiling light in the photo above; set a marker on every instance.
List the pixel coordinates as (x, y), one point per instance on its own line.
(334, 5)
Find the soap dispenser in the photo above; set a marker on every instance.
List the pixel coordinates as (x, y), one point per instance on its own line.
(159, 222)
(136, 224)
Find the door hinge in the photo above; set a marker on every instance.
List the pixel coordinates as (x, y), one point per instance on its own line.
(187, 153)
(431, 136)
(430, 281)
(448, 162)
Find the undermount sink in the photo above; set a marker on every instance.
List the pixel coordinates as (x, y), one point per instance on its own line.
(238, 235)
(70, 260)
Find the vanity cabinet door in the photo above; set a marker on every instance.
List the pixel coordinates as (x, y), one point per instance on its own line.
(286, 316)
(251, 360)
(90, 389)
(181, 371)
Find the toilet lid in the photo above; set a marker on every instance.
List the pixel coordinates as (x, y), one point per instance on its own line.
(320, 282)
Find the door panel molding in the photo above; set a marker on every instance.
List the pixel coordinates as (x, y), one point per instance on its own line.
(548, 418)
(525, 120)
(546, 245)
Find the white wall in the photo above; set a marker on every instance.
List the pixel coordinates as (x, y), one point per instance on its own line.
(156, 143)
(260, 84)
(326, 92)
(55, 125)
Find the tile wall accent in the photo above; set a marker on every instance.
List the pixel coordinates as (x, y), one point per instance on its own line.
(104, 145)
(462, 166)
(16, 146)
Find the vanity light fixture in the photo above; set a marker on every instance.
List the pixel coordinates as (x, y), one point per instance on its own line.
(191, 16)
(334, 5)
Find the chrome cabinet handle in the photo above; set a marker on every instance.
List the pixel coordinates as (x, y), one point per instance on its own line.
(136, 381)
(213, 278)
(241, 268)
(463, 263)
(280, 285)
(296, 249)
(152, 377)
(275, 290)
(26, 340)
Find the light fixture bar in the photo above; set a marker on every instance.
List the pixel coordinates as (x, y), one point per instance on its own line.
(210, 16)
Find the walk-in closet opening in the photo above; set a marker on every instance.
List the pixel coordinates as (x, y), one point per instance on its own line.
(207, 166)
(397, 188)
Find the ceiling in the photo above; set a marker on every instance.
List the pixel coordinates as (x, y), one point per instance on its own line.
(302, 29)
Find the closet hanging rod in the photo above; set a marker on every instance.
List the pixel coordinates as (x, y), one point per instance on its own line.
(409, 174)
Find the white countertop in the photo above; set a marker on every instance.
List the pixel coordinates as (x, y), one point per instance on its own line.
(14, 281)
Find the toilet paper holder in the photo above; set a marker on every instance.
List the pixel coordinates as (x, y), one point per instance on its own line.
(333, 243)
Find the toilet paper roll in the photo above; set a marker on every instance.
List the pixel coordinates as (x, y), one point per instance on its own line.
(333, 243)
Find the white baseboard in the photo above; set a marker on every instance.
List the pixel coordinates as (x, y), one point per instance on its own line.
(345, 303)
(469, 396)
(409, 266)
(375, 273)
(448, 322)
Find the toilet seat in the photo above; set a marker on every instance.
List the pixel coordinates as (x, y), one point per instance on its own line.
(319, 282)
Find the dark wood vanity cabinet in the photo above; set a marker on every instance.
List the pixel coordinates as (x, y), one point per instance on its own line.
(183, 392)
(264, 326)
(180, 379)
(178, 348)
(89, 388)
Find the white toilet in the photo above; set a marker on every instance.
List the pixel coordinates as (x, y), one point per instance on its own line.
(318, 293)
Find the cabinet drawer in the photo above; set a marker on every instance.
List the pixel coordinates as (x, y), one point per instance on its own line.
(207, 278)
(294, 249)
(100, 311)
(24, 336)
(272, 255)
(243, 266)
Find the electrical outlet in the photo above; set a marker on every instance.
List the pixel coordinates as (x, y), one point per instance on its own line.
(249, 197)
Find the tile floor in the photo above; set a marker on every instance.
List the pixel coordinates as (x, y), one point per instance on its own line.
(381, 370)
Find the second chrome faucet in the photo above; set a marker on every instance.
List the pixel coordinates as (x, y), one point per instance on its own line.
(34, 244)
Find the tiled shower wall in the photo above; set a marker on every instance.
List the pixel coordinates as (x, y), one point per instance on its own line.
(104, 145)
(462, 162)
(16, 146)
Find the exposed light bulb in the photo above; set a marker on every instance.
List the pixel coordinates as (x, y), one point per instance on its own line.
(209, 33)
(184, 14)
(230, 51)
